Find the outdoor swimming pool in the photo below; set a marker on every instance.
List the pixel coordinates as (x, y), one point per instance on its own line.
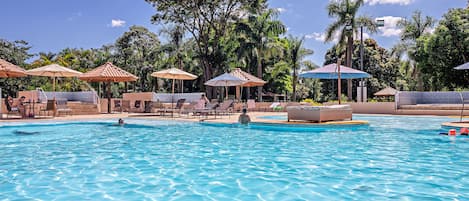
(392, 158)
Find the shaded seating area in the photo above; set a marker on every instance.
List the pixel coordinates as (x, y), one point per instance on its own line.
(62, 107)
(177, 109)
(319, 113)
(50, 107)
(12, 110)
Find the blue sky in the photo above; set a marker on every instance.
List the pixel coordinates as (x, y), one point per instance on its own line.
(52, 25)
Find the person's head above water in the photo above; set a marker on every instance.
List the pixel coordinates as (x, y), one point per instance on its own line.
(121, 121)
(244, 110)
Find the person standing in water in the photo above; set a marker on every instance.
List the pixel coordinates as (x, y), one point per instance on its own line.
(244, 117)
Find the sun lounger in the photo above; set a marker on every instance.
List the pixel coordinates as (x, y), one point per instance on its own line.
(50, 106)
(117, 105)
(62, 107)
(11, 109)
(225, 108)
(320, 113)
(177, 109)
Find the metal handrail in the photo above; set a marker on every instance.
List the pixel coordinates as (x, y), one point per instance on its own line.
(41, 94)
(96, 99)
(462, 109)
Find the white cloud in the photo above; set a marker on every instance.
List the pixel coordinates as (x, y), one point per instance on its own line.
(400, 2)
(316, 36)
(390, 26)
(322, 36)
(281, 10)
(117, 23)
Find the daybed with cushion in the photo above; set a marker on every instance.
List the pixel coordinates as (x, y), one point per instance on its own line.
(320, 113)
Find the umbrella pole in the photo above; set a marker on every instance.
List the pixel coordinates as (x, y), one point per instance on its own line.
(226, 93)
(172, 95)
(339, 87)
(109, 97)
(1, 103)
(53, 83)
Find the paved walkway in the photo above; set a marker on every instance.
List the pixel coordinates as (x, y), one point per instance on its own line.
(255, 117)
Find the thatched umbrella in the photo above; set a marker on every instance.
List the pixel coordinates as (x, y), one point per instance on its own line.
(388, 91)
(7, 70)
(108, 73)
(54, 70)
(251, 80)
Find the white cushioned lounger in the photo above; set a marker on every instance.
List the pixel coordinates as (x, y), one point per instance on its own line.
(320, 113)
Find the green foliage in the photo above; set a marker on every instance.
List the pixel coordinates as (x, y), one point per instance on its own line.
(377, 62)
(312, 102)
(438, 53)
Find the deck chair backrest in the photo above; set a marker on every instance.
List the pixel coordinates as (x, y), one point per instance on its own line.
(226, 104)
(117, 103)
(200, 104)
(7, 104)
(51, 105)
(251, 104)
(180, 103)
(137, 103)
(211, 106)
(61, 103)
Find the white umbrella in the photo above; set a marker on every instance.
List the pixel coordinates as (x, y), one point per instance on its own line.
(53, 70)
(225, 80)
(174, 74)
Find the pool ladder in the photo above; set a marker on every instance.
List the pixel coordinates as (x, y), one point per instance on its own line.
(463, 103)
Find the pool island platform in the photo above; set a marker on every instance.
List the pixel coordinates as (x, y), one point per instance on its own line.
(462, 124)
(256, 117)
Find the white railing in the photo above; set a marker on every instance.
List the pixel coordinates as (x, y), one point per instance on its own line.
(41, 95)
(96, 99)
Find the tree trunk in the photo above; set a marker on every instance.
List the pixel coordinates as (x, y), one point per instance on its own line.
(349, 64)
(294, 84)
(259, 75)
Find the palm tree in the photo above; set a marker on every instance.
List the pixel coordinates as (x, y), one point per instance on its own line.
(413, 29)
(346, 25)
(258, 31)
(294, 55)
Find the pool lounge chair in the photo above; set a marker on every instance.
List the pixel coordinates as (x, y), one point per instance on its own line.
(62, 107)
(125, 105)
(177, 109)
(205, 111)
(225, 108)
(50, 107)
(251, 105)
(11, 110)
(137, 106)
(320, 113)
(117, 106)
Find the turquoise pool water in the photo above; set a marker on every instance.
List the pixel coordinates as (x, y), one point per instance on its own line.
(394, 158)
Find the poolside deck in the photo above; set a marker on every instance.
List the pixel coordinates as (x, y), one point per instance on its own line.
(255, 117)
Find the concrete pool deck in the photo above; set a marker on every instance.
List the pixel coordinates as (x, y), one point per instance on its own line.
(228, 119)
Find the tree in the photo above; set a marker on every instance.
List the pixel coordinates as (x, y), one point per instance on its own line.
(347, 24)
(207, 22)
(137, 51)
(15, 52)
(294, 55)
(412, 30)
(259, 31)
(377, 61)
(437, 54)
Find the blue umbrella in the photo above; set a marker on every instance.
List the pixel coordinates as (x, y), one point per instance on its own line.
(331, 72)
(463, 67)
